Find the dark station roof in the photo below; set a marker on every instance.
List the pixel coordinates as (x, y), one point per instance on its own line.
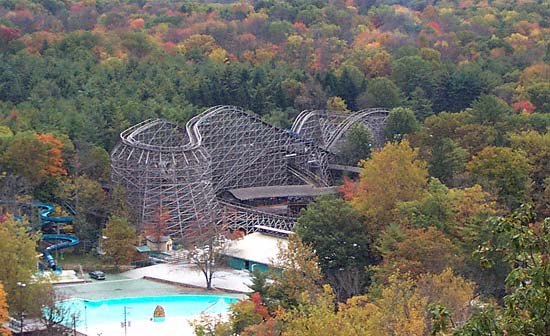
(346, 168)
(161, 239)
(244, 194)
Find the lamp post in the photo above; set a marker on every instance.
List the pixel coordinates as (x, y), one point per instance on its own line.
(101, 242)
(126, 323)
(85, 317)
(21, 286)
(74, 323)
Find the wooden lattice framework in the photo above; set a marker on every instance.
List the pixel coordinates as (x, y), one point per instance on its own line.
(176, 172)
(329, 129)
(165, 175)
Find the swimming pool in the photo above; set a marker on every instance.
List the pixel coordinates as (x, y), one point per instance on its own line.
(96, 312)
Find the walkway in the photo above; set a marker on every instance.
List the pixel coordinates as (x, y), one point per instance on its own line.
(225, 279)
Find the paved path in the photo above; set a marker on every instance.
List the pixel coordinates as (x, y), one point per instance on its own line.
(99, 290)
(224, 279)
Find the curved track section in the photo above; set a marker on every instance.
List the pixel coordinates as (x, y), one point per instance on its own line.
(330, 129)
(246, 151)
(167, 175)
(62, 241)
(174, 173)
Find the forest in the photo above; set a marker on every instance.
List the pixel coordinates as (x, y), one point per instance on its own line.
(445, 231)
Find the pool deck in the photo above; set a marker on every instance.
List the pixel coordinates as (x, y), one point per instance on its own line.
(175, 326)
(99, 290)
(226, 279)
(161, 279)
(156, 280)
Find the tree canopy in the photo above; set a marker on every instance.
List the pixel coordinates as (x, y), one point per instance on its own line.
(19, 252)
(503, 171)
(522, 242)
(467, 83)
(4, 312)
(335, 231)
(393, 174)
(119, 244)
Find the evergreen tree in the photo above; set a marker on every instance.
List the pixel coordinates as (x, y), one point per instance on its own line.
(119, 246)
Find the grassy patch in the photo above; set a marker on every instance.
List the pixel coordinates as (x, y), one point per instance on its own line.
(87, 261)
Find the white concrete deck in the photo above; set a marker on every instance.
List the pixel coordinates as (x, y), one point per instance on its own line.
(224, 279)
(65, 277)
(172, 326)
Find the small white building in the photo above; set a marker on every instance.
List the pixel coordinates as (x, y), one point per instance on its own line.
(255, 251)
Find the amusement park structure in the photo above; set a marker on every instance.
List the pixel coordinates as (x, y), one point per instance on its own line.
(227, 166)
(47, 223)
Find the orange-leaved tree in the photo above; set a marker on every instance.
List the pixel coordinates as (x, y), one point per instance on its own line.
(34, 157)
(4, 314)
(55, 155)
(419, 251)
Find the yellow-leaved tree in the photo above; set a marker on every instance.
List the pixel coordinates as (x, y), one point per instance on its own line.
(432, 304)
(399, 310)
(337, 104)
(19, 258)
(450, 291)
(393, 174)
(315, 316)
(300, 272)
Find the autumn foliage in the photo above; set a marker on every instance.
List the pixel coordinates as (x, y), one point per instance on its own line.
(393, 174)
(259, 307)
(472, 75)
(55, 156)
(523, 106)
(436, 27)
(136, 23)
(8, 34)
(36, 157)
(249, 313)
(4, 313)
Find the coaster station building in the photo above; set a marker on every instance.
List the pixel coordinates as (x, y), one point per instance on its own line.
(229, 168)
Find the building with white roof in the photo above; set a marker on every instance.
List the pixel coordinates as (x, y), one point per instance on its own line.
(257, 250)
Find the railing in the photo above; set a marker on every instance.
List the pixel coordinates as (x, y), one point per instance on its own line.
(242, 217)
(307, 176)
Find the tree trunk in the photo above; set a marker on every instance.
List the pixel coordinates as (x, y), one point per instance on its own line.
(210, 273)
(206, 276)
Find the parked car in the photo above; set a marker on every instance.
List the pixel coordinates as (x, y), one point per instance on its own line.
(98, 275)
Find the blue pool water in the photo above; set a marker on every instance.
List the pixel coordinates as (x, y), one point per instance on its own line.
(94, 312)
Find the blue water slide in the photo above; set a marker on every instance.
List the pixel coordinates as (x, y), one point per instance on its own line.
(65, 240)
(47, 210)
